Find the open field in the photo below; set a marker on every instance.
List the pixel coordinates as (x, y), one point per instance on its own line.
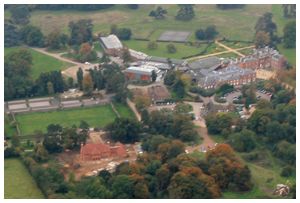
(94, 116)
(41, 62)
(18, 183)
(290, 54)
(124, 110)
(141, 24)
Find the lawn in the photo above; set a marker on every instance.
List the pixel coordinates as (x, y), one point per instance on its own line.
(9, 130)
(95, 116)
(124, 110)
(290, 54)
(161, 51)
(142, 25)
(41, 62)
(18, 183)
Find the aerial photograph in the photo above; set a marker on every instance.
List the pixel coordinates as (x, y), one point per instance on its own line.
(149, 101)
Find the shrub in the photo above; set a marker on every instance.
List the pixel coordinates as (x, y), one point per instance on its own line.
(287, 171)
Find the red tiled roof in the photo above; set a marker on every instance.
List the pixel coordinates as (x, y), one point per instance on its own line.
(99, 149)
(93, 149)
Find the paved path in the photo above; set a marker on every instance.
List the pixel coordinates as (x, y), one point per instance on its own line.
(218, 53)
(133, 108)
(228, 48)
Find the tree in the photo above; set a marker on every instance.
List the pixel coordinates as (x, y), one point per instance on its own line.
(227, 170)
(53, 141)
(159, 13)
(265, 24)
(171, 48)
(122, 187)
(151, 144)
(230, 6)
(133, 6)
(20, 14)
(186, 12)
(210, 32)
(179, 89)
(262, 39)
(79, 77)
(124, 130)
(289, 10)
(11, 35)
(170, 150)
(81, 31)
(216, 123)
(92, 188)
(126, 56)
(124, 33)
(243, 141)
(50, 89)
(56, 40)
(152, 45)
(153, 76)
(40, 153)
(286, 152)
(170, 78)
(145, 116)
(84, 125)
(289, 35)
(17, 66)
(32, 36)
(200, 34)
(86, 53)
(113, 29)
(192, 183)
(87, 84)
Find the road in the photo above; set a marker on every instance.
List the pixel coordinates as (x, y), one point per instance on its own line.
(207, 142)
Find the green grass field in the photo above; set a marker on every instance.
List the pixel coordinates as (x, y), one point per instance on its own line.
(141, 24)
(95, 116)
(182, 49)
(124, 110)
(290, 54)
(9, 130)
(18, 183)
(41, 62)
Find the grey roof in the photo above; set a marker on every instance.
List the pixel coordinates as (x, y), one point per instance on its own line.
(229, 73)
(111, 42)
(165, 60)
(140, 70)
(205, 63)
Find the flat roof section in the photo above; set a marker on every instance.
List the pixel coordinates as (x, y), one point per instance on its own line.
(17, 106)
(39, 104)
(111, 42)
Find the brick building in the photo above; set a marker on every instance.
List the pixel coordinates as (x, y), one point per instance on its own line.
(93, 152)
(140, 73)
(232, 75)
(265, 58)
